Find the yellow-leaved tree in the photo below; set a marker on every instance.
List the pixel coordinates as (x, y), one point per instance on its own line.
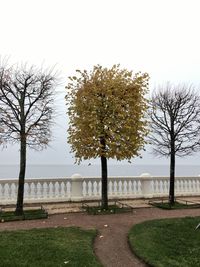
(106, 109)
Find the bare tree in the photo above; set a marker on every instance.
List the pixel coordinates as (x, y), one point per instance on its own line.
(26, 98)
(175, 124)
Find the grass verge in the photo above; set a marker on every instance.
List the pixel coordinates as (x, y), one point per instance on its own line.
(168, 242)
(48, 247)
(6, 216)
(117, 207)
(177, 205)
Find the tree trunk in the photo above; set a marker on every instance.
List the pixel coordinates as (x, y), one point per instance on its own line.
(20, 195)
(172, 174)
(104, 178)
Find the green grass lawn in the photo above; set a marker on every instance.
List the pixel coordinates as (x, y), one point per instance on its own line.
(168, 242)
(51, 247)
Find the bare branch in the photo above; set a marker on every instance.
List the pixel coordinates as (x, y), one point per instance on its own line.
(175, 120)
(26, 104)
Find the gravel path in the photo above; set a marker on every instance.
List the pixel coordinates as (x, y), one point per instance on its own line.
(111, 245)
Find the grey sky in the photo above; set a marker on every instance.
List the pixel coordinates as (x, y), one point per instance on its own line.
(160, 37)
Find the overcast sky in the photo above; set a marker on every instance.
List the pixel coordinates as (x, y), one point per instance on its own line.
(160, 37)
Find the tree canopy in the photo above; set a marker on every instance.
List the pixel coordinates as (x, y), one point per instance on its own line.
(107, 104)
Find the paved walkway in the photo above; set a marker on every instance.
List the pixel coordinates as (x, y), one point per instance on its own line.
(111, 246)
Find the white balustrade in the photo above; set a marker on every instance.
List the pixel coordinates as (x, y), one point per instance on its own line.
(79, 188)
(36, 190)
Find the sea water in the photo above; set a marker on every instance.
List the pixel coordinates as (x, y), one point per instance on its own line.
(56, 171)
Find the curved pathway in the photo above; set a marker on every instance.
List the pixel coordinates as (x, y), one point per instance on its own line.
(111, 245)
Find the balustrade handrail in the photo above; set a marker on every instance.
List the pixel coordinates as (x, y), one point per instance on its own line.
(45, 179)
(95, 177)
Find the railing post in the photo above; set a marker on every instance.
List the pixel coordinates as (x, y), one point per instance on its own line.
(146, 185)
(76, 187)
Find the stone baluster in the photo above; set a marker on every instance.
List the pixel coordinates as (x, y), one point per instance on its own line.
(3, 191)
(129, 188)
(35, 190)
(48, 190)
(53, 190)
(9, 191)
(140, 187)
(28, 190)
(59, 187)
(110, 190)
(41, 189)
(99, 188)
